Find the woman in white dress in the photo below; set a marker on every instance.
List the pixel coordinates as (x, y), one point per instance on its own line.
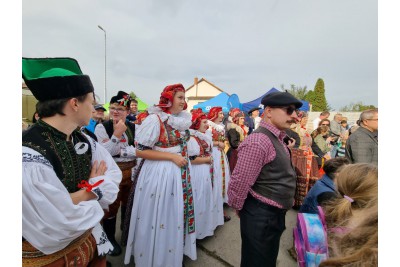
(202, 174)
(221, 164)
(162, 225)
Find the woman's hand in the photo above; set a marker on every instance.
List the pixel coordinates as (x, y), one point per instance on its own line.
(179, 160)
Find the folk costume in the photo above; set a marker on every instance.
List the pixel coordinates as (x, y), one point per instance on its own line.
(56, 231)
(123, 152)
(202, 178)
(306, 164)
(162, 223)
(221, 166)
(236, 135)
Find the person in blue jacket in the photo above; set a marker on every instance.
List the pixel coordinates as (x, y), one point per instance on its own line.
(324, 189)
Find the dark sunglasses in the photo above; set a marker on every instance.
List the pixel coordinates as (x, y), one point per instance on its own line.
(290, 110)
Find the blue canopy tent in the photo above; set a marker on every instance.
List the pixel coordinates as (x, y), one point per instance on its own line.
(305, 106)
(256, 102)
(219, 100)
(233, 102)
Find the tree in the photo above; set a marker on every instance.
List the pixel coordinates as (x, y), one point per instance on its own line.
(297, 91)
(310, 97)
(319, 103)
(356, 107)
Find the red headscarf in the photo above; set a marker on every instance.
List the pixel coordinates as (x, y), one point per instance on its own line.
(233, 112)
(197, 117)
(141, 117)
(167, 96)
(213, 113)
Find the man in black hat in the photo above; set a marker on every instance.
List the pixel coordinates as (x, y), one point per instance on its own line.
(67, 178)
(253, 119)
(117, 135)
(263, 183)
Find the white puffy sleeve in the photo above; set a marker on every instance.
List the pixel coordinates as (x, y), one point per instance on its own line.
(148, 132)
(50, 220)
(112, 145)
(107, 191)
(193, 147)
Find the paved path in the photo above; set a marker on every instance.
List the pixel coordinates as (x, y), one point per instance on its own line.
(223, 249)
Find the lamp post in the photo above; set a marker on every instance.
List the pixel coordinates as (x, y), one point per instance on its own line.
(105, 63)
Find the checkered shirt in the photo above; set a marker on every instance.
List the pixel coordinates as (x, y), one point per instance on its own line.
(256, 151)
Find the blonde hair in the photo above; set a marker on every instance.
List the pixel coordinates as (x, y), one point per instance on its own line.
(358, 182)
(359, 247)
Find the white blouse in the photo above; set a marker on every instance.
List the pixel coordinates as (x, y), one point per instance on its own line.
(50, 220)
(149, 131)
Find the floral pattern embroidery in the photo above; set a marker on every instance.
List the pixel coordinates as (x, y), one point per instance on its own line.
(171, 137)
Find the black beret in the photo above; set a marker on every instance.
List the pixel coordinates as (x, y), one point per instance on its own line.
(280, 99)
(253, 109)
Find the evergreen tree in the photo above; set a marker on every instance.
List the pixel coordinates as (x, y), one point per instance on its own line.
(319, 103)
(310, 97)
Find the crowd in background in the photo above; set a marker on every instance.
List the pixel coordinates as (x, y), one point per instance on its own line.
(177, 169)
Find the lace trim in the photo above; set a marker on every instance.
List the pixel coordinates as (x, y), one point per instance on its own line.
(202, 136)
(218, 127)
(181, 121)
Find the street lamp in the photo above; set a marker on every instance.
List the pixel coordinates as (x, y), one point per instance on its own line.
(105, 63)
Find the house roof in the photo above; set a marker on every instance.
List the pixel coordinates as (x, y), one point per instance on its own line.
(204, 80)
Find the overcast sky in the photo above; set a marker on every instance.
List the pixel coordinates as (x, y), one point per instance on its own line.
(243, 47)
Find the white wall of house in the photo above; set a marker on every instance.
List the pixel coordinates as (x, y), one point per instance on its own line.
(202, 92)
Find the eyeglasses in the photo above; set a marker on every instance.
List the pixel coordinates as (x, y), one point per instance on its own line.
(117, 109)
(325, 124)
(290, 110)
(372, 119)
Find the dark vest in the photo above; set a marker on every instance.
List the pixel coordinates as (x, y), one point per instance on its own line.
(69, 166)
(130, 131)
(277, 179)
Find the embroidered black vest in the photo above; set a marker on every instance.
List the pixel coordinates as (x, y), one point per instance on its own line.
(69, 166)
(130, 131)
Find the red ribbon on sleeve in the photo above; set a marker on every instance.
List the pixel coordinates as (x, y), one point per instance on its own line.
(89, 187)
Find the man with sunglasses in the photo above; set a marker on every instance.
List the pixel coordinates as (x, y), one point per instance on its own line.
(263, 183)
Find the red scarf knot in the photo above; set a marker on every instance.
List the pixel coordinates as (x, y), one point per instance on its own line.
(89, 187)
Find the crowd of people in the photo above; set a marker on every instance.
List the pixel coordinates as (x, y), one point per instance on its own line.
(169, 172)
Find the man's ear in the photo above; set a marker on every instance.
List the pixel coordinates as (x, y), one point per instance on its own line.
(267, 112)
(73, 104)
